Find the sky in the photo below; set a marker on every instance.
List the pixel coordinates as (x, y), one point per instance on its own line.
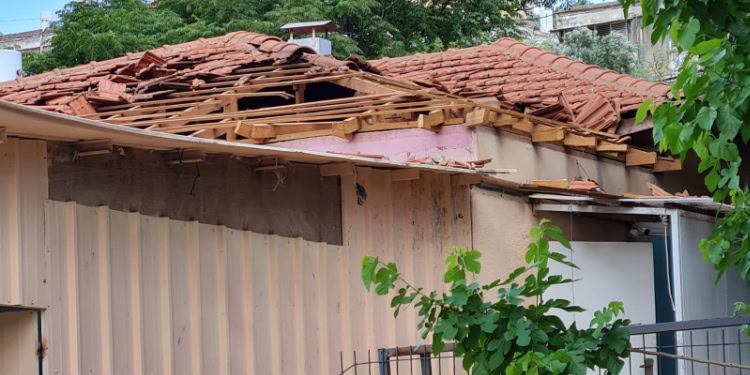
(23, 15)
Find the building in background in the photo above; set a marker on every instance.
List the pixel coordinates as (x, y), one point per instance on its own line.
(28, 41)
(659, 62)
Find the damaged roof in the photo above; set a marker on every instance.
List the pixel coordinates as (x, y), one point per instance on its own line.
(144, 75)
(531, 80)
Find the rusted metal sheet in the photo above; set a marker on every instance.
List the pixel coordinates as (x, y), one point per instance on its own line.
(23, 257)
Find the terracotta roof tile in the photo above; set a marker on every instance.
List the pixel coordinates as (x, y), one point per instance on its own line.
(527, 74)
(220, 55)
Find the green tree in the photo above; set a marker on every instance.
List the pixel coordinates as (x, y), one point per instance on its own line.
(506, 327)
(611, 51)
(709, 115)
(103, 29)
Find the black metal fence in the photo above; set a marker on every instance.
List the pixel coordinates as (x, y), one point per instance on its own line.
(696, 347)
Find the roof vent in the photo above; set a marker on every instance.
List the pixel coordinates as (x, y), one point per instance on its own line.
(321, 45)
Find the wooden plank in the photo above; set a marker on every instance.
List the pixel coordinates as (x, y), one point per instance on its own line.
(636, 157)
(404, 174)
(476, 117)
(346, 128)
(557, 184)
(230, 106)
(126, 108)
(667, 165)
(605, 146)
(255, 88)
(294, 109)
(543, 133)
(524, 126)
(431, 121)
(575, 140)
(262, 131)
(465, 179)
(337, 169)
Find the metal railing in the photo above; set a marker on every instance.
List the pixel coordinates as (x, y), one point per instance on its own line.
(696, 347)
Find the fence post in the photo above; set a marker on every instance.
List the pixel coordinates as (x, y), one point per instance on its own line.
(385, 369)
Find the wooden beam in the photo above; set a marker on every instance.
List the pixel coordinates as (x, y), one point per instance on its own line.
(605, 146)
(636, 157)
(477, 116)
(184, 156)
(523, 126)
(405, 174)
(543, 133)
(465, 179)
(667, 165)
(299, 93)
(337, 169)
(3, 135)
(504, 120)
(363, 85)
(556, 184)
(346, 128)
(431, 121)
(575, 140)
(262, 131)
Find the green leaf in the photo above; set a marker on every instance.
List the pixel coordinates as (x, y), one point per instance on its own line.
(727, 123)
(687, 33)
(706, 117)
(496, 359)
(704, 47)
(368, 270)
(675, 29)
(642, 111)
(470, 260)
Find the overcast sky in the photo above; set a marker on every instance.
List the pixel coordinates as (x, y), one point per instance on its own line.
(23, 15)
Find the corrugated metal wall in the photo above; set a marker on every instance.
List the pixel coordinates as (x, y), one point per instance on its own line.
(23, 257)
(129, 293)
(138, 294)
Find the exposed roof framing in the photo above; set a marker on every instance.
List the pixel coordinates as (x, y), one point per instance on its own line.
(219, 88)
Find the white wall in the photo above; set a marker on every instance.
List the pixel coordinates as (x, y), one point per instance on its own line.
(609, 271)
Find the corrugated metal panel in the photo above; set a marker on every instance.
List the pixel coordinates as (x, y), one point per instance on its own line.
(138, 294)
(23, 189)
(413, 223)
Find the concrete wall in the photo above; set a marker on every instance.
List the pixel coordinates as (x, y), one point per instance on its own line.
(220, 191)
(29, 41)
(550, 162)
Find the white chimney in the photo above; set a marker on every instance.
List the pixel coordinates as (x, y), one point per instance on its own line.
(321, 45)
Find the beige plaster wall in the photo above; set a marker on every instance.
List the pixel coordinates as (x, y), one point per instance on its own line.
(501, 224)
(550, 162)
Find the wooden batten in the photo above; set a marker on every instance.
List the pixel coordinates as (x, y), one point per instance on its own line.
(337, 169)
(465, 179)
(405, 174)
(543, 133)
(93, 147)
(363, 85)
(635, 157)
(431, 121)
(299, 93)
(574, 140)
(667, 165)
(605, 146)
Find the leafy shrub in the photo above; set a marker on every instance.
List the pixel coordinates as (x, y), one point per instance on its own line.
(506, 327)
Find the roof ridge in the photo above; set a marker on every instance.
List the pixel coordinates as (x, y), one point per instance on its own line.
(578, 69)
